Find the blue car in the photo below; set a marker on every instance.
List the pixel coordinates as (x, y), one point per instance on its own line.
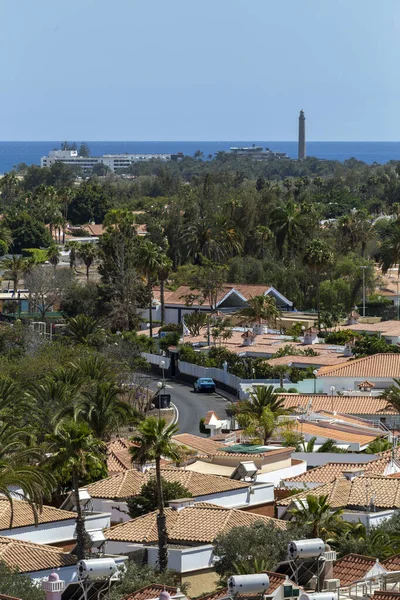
(204, 384)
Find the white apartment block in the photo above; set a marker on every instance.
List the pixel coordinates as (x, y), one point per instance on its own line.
(113, 161)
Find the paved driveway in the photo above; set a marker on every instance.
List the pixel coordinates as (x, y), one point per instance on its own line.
(192, 406)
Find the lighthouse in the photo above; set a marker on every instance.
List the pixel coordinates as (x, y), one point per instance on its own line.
(302, 136)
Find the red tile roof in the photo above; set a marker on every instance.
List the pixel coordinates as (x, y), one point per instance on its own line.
(275, 581)
(150, 591)
(352, 567)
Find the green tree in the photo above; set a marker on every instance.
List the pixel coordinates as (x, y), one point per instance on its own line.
(154, 441)
(259, 415)
(367, 345)
(390, 248)
(104, 410)
(53, 256)
(73, 450)
(260, 308)
(134, 576)
(16, 585)
(84, 150)
(86, 330)
(316, 513)
(149, 261)
(318, 257)
(147, 500)
(26, 231)
(378, 445)
(163, 273)
(14, 268)
(87, 253)
(288, 223)
(195, 321)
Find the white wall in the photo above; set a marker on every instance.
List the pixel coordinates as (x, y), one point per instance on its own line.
(184, 560)
(262, 493)
(371, 519)
(350, 383)
(60, 531)
(277, 476)
(315, 459)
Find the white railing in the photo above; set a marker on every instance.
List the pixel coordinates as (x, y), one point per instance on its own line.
(156, 359)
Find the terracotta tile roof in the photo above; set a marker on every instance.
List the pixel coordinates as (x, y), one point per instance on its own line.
(352, 567)
(95, 230)
(386, 595)
(23, 514)
(335, 432)
(275, 581)
(3, 597)
(118, 457)
(330, 471)
(359, 492)
(390, 328)
(200, 523)
(392, 563)
(325, 359)
(130, 483)
(28, 557)
(203, 445)
(150, 591)
(375, 366)
(350, 405)
(209, 415)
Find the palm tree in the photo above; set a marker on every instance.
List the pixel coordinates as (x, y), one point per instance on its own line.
(53, 255)
(87, 254)
(260, 308)
(261, 412)
(73, 247)
(316, 512)
(392, 396)
(154, 441)
(318, 257)
(263, 234)
(287, 223)
(149, 263)
(15, 267)
(163, 273)
(103, 409)
(83, 329)
(378, 445)
(390, 248)
(73, 449)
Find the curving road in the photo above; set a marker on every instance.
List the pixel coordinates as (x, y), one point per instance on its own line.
(191, 406)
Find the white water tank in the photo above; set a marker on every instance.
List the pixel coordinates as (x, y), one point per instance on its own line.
(244, 584)
(319, 596)
(306, 548)
(96, 568)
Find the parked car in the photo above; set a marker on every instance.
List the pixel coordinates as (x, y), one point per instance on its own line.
(204, 384)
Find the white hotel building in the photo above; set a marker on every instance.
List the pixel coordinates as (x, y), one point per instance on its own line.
(113, 161)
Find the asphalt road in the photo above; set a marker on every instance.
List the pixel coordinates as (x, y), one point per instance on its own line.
(192, 406)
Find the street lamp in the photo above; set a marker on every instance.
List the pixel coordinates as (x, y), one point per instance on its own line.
(332, 389)
(315, 373)
(162, 365)
(160, 387)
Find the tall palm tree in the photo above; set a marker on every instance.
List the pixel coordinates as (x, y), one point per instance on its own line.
(318, 257)
(15, 267)
(149, 262)
(263, 234)
(316, 512)
(87, 253)
(73, 247)
(154, 441)
(287, 222)
(73, 449)
(260, 308)
(103, 409)
(53, 255)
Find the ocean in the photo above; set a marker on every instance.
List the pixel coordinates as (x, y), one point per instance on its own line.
(13, 153)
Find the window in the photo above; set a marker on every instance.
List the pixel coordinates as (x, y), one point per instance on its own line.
(287, 591)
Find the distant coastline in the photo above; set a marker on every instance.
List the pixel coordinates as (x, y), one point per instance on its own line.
(13, 153)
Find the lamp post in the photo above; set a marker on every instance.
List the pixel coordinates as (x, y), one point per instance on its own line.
(315, 372)
(332, 389)
(160, 386)
(363, 268)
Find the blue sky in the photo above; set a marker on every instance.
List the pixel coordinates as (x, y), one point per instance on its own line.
(199, 70)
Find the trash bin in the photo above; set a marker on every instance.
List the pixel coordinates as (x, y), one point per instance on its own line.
(162, 401)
